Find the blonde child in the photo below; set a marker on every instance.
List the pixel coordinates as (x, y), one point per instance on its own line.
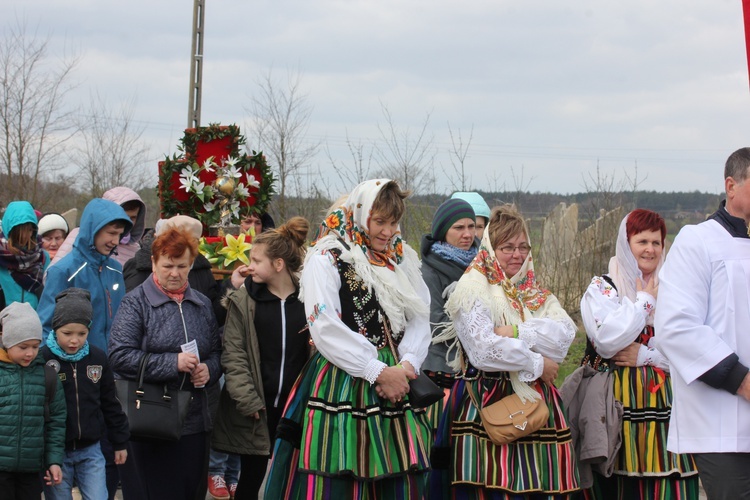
(265, 326)
(31, 443)
(89, 389)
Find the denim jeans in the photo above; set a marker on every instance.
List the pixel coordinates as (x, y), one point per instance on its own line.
(85, 468)
(226, 465)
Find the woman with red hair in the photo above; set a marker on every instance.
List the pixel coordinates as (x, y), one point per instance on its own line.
(166, 318)
(617, 310)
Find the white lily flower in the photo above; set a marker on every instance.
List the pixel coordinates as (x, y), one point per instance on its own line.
(233, 171)
(231, 161)
(251, 181)
(242, 191)
(209, 164)
(208, 207)
(235, 207)
(185, 184)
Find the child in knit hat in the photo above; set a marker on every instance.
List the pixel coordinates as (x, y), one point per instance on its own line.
(30, 444)
(90, 394)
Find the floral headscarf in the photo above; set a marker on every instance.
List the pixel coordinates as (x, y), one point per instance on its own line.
(393, 273)
(486, 278)
(351, 219)
(510, 300)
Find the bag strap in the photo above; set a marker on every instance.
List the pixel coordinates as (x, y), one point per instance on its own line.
(50, 389)
(388, 336)
(469, 388)
(142, 369)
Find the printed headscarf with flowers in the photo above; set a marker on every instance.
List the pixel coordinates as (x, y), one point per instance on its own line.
(393, 273)
(511, 300)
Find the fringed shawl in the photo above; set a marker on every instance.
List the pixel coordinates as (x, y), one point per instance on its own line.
(393, 274)
(510, 300)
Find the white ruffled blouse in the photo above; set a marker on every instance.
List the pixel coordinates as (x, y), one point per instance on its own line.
(613, 323)
(347, 349)
(537, 338)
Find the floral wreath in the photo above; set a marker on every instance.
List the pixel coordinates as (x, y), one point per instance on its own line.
(194, 182)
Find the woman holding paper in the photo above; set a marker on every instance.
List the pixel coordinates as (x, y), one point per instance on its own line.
(176, 325)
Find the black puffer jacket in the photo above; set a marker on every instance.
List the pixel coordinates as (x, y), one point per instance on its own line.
(149, 321)
(90, 395)
(137, 269)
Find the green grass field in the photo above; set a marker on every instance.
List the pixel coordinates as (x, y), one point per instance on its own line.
(573, 359)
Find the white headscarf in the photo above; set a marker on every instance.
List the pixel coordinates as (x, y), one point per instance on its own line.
(624, 270)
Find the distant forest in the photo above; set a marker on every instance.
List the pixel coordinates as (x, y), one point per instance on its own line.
(669, 205)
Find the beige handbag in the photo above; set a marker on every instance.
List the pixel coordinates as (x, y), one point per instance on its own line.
(510, 418)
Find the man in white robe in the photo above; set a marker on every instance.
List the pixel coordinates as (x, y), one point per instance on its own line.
(703, 327)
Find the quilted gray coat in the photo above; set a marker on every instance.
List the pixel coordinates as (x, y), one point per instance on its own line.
(149, 321)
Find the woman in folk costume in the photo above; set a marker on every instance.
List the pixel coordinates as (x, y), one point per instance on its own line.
(348, 429)
(618, 313)
(511, 334)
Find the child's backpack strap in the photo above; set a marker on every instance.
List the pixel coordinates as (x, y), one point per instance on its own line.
(50, 388)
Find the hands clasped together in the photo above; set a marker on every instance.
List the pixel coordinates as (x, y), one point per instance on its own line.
(393, 382)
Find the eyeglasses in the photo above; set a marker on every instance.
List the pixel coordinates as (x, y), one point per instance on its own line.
(523, 249)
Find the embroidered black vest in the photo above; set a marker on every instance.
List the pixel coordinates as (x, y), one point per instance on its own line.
(602, 364)
(360, 309)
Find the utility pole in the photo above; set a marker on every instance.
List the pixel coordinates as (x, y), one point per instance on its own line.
(196, 65)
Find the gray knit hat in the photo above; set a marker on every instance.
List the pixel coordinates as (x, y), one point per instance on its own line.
(72, 305)
(20, 323)
(447, 214)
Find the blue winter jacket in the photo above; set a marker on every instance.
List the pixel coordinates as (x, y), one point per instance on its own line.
(17, 213)
(150, 321)
(86, 268)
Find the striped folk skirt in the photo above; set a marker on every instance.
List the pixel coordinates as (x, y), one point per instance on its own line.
(467, 465)
(644, 469)
(338, 439)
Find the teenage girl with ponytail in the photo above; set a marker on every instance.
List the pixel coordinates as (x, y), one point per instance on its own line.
(266, 345)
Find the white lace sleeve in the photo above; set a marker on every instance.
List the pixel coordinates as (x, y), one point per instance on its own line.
(490, 352)
(551, 333)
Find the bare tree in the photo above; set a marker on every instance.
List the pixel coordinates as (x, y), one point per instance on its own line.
(520, 184)
(405, 157)
(34, 124)
(110, 151)
(458, 155)
(358, 171)
(280, 118)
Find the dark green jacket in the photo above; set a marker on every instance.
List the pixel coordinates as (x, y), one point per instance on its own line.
(28, 444)
(235, 428)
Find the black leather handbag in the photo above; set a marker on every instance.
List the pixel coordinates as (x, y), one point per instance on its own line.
(423, 392)
(154, 411)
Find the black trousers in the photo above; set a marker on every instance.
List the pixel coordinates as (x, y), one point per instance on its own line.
(173, 470)
(253, 467)
(725, 476)
(20, 485)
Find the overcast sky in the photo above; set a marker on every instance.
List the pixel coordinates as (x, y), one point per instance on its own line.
(551, 88)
